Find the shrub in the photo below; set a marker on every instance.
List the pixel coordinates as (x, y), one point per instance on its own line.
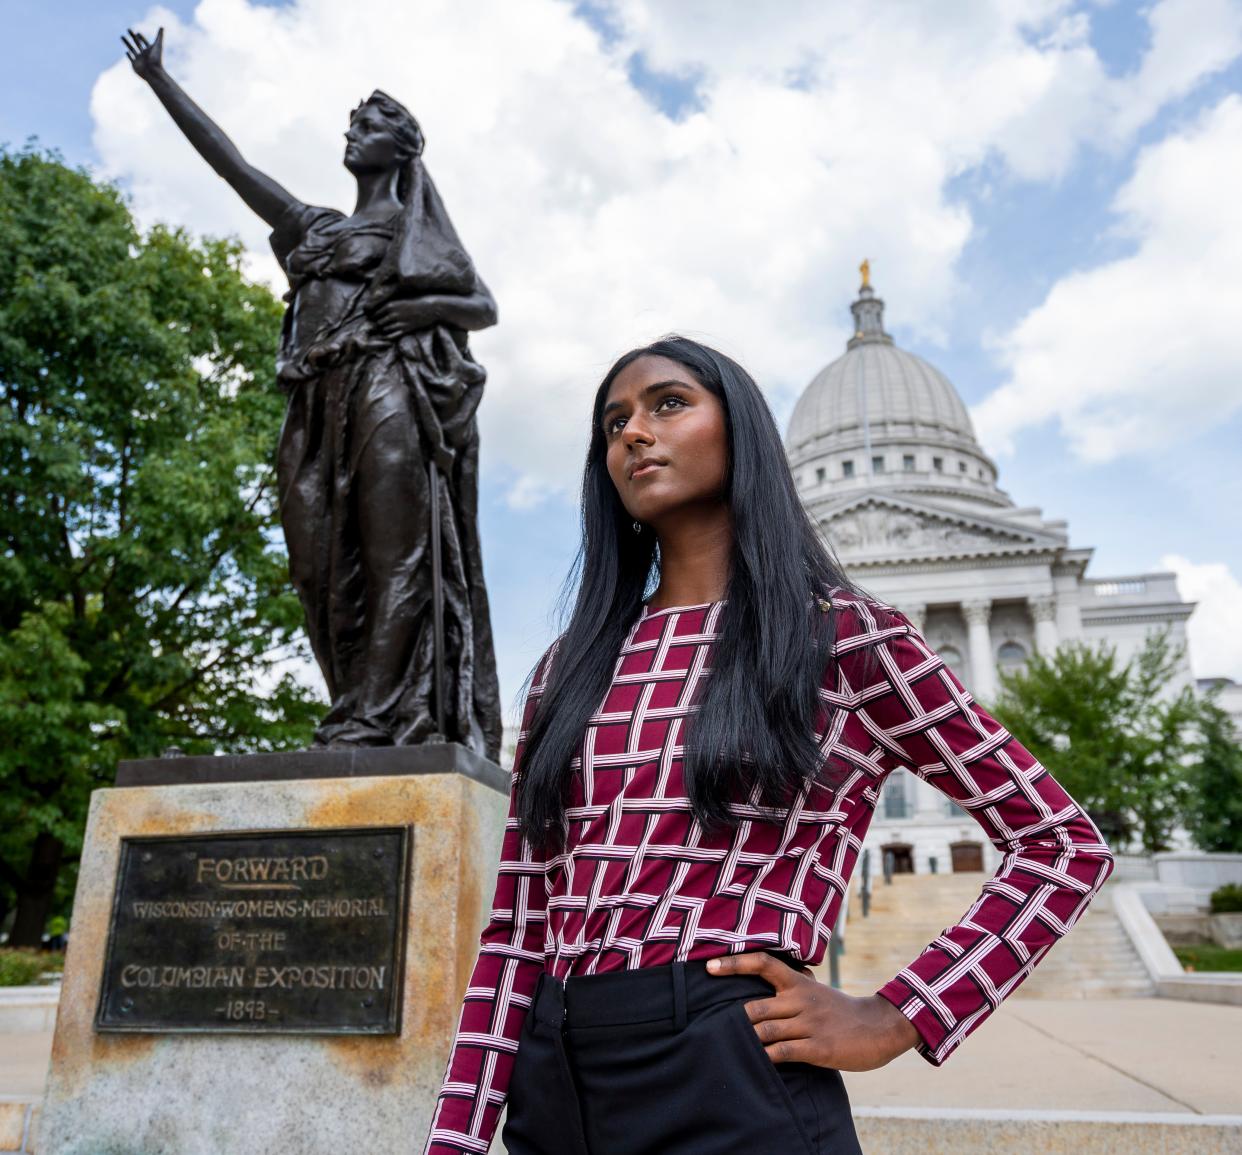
(22, 968)
(1226, 899)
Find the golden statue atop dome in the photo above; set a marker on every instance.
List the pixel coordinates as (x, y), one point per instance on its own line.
(865, 270)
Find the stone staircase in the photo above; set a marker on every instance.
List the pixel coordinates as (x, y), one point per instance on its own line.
(1094, 960)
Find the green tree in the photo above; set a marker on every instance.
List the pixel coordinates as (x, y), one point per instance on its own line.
(1214, 812)
(144, 598)
(1110, 733)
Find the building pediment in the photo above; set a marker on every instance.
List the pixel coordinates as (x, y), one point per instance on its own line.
(872, 528)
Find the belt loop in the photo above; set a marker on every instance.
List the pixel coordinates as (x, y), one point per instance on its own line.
(679, 996)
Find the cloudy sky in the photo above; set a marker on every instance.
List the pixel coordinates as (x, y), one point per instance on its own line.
(1050, 194)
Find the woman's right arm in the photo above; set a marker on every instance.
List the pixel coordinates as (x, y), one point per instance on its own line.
(476, 1082)
(265, 196)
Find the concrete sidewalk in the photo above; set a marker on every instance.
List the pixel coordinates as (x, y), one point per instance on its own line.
(1144, 1055)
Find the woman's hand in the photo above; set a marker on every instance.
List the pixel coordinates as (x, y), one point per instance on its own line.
(147, 58)
(399, 316)
(806, 1021)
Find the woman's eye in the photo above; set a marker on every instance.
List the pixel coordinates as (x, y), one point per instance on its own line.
(670, 398)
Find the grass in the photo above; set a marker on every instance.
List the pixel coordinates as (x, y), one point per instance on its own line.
(23, 968)
(1209, 957)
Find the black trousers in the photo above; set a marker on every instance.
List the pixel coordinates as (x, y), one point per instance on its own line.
(664, 1061)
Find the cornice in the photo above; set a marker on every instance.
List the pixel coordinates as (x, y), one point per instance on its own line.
(1135, 615)
(886, 567)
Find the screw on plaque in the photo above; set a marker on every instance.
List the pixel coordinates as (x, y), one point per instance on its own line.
(146, 857)
(379, 852)
(368, 1002)
(127, 1005)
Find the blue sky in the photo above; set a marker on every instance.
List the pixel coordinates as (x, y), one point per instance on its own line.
(1011, 228)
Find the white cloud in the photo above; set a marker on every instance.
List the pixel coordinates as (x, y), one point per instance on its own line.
(1215, 627)
(825, 133)
(1144, 351)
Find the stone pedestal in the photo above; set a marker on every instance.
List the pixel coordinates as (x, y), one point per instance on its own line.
(194, 1094)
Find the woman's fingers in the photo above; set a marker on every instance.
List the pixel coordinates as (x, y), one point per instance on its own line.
(756, 963)
(777, 1007)
(792, 1051)
(780, 1030)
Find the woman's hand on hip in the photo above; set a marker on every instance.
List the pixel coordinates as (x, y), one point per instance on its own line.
(806, 1021)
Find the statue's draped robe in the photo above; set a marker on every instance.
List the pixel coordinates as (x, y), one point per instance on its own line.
(364, 416)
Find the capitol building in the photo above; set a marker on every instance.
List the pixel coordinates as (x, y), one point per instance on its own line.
(888, 466)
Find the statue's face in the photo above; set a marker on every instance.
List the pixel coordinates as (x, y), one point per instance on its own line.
(657, 410)
(369, 144)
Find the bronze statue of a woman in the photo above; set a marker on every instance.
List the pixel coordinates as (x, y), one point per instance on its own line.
(378, 458)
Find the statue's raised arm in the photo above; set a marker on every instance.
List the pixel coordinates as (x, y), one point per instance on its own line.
(264, 195)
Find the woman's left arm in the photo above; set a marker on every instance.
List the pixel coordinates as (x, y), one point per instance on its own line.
(1054, 858)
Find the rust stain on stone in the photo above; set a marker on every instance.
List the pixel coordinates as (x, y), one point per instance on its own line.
(381, 802)
(430, 805)
(374, 1062)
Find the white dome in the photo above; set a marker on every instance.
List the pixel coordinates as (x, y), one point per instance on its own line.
(898, 389)
(879, 417)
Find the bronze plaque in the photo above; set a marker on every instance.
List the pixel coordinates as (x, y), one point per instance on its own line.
(260, 932)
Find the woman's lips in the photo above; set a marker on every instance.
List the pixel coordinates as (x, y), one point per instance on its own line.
(645, 470)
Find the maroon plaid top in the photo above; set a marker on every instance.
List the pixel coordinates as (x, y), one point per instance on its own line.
(639, 883)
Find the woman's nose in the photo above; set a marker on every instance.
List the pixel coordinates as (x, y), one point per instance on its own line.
(635, 431)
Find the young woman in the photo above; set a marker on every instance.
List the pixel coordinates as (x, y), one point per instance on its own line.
(696, 769)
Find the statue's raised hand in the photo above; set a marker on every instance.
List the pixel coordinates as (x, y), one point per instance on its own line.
(146, 57)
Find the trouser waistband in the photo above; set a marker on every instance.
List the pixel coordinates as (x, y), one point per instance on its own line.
(647, 994)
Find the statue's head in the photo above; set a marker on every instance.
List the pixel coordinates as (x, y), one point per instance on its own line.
(383, 135)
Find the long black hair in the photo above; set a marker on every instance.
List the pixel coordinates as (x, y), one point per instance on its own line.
(758, 711)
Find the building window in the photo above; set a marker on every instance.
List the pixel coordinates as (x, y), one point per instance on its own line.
(961, 467)
(896, 804)
(820, 474)
(981, 471)
(938, 464)
(847, 469)
(953, 810)
(907, 462)
(877, 465)
(1011, 656)
(952, 658)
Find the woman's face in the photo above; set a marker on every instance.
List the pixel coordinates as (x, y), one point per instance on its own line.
(657, 412)
(369, 144)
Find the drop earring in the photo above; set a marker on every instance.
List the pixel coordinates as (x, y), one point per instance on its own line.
(638, 526)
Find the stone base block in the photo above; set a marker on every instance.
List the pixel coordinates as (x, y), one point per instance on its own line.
(934, 1131)
(26, 1009)
(19, 1118)
(202, 1094)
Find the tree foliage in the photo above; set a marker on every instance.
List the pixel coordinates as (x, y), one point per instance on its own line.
(1111, 733)
(144, 597)
(1214, 814)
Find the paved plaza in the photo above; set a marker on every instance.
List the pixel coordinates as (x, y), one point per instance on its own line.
(1133, 1055)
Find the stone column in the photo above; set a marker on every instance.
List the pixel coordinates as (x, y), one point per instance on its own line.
(928, 801)
(982, 668)
(917, 615)
(1044, 614)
